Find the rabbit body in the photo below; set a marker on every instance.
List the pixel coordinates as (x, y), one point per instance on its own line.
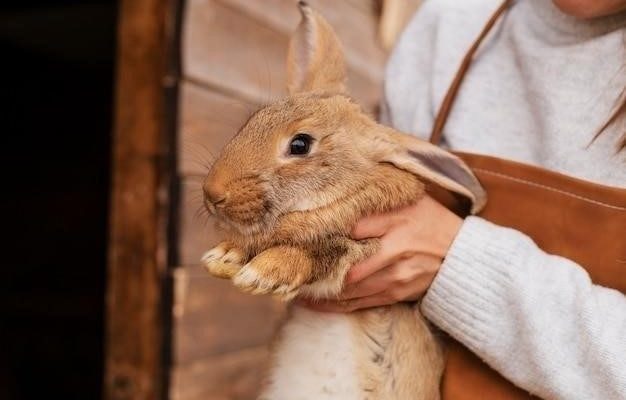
(383, 353)
(287, 190)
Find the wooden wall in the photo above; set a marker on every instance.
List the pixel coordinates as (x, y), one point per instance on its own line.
(233, 56)
(137, 286)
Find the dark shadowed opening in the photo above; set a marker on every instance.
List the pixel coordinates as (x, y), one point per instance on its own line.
(57, 72)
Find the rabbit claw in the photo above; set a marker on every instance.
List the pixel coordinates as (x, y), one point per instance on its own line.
(265, 275)
(223, 261)
(248, 279)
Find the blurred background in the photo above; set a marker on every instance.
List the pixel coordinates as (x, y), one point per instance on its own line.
(113, 111)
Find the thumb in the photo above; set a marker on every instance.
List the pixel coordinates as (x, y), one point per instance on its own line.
(371, 227)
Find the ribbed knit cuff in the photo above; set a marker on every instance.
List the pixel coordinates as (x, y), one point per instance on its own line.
(469, 295)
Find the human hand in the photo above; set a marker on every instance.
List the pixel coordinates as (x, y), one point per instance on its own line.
(413, 242)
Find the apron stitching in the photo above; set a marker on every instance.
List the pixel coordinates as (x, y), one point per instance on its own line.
(531, 183)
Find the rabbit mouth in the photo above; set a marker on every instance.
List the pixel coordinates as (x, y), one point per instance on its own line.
(240, 202)
(248, 213)
(248, 222)
(247, 216)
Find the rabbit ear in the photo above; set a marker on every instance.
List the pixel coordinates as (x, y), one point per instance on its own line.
(438, 166)
(315, 59)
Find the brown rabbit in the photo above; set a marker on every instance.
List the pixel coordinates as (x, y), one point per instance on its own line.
(288, 189)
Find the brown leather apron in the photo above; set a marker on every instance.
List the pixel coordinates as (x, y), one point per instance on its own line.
(582, 221)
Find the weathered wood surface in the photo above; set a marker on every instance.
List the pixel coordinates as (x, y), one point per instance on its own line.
(135, 325)
(230, 376)
(395, 14)
(239, 47)
(196, 230)
(355, 22)
(233, 56)
(208, 119)
(215, 318)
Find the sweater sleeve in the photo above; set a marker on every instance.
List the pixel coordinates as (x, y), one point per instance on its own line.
(534, 317)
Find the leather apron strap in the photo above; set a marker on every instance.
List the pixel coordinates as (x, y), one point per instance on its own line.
(446, 105)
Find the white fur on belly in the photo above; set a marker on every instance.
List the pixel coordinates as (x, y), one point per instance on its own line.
(314, 359)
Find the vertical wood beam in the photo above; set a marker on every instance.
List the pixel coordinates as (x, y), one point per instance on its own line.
(137, 300)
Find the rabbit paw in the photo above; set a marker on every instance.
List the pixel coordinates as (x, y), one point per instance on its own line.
(223, 261)
(279, 271)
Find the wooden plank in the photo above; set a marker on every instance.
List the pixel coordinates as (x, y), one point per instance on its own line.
(224, 48)
(366, 6)
(207, 121)
(196, 231)
(232, 376)
(212, 317)
(136, 276)
(356, 27)
(395, 15)
(366, 93)
(230, 52)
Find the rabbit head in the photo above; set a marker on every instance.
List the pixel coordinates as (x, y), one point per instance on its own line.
(316, 146)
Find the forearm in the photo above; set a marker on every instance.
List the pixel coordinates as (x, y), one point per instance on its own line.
(535, 318)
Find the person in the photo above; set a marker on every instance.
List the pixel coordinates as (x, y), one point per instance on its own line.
(548, 77)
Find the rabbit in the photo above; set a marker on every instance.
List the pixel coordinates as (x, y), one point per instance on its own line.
(287, 190)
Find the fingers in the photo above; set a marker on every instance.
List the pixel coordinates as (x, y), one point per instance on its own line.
(375, 283)
(399, 272)
(372, 226)
(404, 272)
(406, 280)
(390, 252)
(392, 247)
(345, 306)
(395, 293)
(367, 267)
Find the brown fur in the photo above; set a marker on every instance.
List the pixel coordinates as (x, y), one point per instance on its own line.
(288, 218)
(399, 358)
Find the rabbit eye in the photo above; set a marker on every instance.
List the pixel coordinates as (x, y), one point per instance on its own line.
(300, 144)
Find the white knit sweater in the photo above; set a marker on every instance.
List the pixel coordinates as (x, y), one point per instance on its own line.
(540, 87)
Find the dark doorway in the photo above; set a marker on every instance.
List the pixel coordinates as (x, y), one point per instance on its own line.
(57, 71)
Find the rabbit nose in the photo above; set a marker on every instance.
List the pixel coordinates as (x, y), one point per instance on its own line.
(214, 192)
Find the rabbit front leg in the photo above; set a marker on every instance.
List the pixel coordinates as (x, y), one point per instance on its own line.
(224, 260)
(333, 261)
(279, 270)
